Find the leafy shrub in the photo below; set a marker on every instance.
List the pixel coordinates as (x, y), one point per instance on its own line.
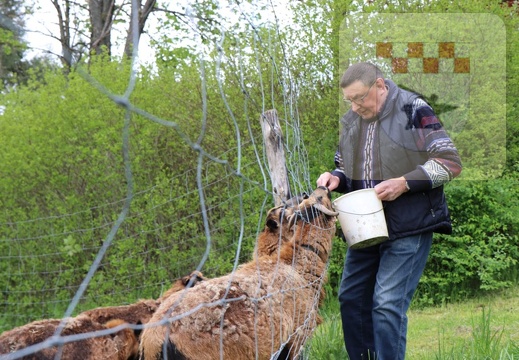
(482, 252)
(64, 184)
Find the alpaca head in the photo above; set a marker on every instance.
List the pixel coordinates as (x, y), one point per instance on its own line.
(195, 277)
(278, 228)
(277, 217)
(314, 222)
(317, 203)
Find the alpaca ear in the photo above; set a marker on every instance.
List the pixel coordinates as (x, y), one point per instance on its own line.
(185, 280)
(272, 224)
(325, 210)
(199, 277)
(292, 219)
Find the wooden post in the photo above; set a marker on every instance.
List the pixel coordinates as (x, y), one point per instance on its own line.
(273, 140)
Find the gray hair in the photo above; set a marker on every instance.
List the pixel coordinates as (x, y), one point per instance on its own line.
(364, 72)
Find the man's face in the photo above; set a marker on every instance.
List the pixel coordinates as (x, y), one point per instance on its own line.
(365, 100)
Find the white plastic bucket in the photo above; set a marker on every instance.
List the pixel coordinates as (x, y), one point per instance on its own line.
(362, 220)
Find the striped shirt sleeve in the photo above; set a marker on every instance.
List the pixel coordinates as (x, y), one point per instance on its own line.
(443, 162)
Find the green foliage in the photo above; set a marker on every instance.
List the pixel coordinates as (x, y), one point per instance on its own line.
(487, 342)
(64, 182)
(512, 89)
(327, 342)
(481, 332)
(336, 266)
(14, 67)
(11, 55)
(482, 252)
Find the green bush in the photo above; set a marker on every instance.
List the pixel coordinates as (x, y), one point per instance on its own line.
(64, 184)
(482, 252)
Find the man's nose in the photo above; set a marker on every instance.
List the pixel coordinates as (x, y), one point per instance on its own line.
(355, 107)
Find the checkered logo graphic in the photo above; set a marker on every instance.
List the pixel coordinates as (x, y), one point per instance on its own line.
(426, 58)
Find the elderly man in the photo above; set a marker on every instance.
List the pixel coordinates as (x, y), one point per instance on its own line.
(392, 141)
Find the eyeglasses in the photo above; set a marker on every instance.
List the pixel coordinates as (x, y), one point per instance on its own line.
(360, 100)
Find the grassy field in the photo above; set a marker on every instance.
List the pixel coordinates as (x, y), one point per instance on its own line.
(484, 328)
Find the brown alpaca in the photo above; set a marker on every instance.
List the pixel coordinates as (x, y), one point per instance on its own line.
(121, 345)
(141, 311)
(137, 313)
(266, 307)
(278, 229)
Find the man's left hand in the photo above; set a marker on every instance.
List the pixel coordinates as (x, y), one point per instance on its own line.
(389, 190)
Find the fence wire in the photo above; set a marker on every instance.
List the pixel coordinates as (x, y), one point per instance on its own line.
(123, 228)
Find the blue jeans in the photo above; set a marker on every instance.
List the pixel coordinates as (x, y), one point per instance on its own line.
(377, 286)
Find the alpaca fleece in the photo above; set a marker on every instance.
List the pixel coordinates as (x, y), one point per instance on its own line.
(122, 345)
(267, 306)
(138, 313)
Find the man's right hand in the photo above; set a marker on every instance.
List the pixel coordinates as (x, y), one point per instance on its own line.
(328, 180)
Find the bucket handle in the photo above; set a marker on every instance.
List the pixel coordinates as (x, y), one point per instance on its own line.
(352, 213)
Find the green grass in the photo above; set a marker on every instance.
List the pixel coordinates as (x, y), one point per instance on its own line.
(481, 329)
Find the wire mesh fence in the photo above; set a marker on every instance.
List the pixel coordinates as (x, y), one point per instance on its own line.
(201, 208)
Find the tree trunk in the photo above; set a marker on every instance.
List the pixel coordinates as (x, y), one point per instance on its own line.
(101, 20)
(142, 15)
(64, 32)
